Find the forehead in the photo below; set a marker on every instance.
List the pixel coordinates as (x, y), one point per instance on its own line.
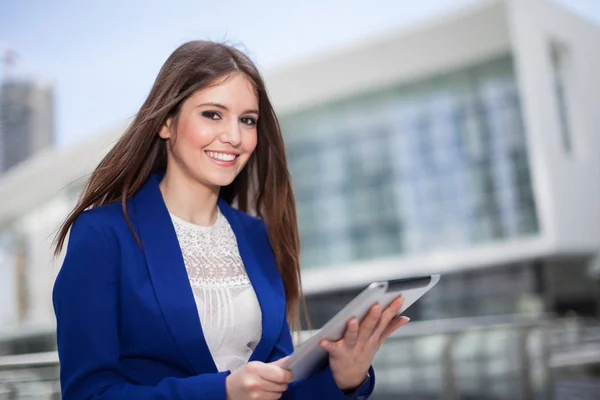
(231, 91)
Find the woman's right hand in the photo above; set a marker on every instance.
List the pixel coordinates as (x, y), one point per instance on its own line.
(258, 381)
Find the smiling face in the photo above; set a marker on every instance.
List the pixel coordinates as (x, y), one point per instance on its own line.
(216, 132)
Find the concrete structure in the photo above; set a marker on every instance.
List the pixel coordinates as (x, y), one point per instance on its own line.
(504, 89)
(565, 181)
(26, 121)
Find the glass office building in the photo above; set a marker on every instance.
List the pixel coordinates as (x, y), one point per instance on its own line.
(433, 164)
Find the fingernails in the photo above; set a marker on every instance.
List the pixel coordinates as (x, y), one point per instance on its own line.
(407, 319)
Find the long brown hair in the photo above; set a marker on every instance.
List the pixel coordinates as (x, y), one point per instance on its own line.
(264, 185)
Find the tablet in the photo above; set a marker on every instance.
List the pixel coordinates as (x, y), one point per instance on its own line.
(310, 356)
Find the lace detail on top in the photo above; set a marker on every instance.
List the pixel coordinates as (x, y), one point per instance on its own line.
(226, 301)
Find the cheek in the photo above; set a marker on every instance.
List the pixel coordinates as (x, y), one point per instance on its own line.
(250, 141)
(194, 135)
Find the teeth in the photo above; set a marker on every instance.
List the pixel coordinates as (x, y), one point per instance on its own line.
(221, 156)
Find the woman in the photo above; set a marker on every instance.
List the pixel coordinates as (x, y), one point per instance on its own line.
(169, 292)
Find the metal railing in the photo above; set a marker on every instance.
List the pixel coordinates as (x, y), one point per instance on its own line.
(29, 376)
(509, 357)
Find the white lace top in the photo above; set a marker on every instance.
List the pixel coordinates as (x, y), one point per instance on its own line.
(227, 304)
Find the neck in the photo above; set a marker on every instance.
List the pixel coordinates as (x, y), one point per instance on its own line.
(188, 199)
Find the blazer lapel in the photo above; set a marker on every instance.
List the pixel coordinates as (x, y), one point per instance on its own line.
(264, 276)
(169, 276)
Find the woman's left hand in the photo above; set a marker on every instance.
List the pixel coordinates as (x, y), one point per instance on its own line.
(351, 356)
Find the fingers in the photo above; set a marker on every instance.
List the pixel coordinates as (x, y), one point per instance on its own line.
(368, 324)
(281, 362)
(375, 327)
(394, 324)
(253, 386)
(388, 314)
(271, 372)
(269, 395)
(330, 347)
(258, 388)
(255, 383)
(349, 340)
(351, 335)
(258, 380)
(273, 387)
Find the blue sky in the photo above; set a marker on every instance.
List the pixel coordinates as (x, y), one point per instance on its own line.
(102, 55)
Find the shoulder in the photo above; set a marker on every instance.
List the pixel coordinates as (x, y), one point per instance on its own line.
(93, 252)
(98, 226)
(106, 214)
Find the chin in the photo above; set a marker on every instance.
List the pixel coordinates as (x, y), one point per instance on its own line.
(219, 181)
(216, 177)
(221, 184)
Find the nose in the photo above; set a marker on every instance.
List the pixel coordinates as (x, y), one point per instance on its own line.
(232, 134)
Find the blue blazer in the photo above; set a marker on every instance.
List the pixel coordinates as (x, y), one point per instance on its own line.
(127, 323)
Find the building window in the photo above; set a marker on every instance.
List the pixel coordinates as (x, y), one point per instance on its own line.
(560, 58)
(439, 163)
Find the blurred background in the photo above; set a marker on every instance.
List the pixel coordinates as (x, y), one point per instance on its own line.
(458, 137)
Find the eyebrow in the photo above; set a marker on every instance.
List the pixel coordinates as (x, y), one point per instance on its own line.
(223, 107)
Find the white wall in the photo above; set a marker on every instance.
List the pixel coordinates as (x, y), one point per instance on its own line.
(35, 232)
(8, 296)
(32, 183)
(567, 187)
(460, 38)
(39, 228)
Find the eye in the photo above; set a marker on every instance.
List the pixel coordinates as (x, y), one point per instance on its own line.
(211, 115)
(248, 121)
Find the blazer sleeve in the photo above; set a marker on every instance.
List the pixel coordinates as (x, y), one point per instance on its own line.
(321, 385)
(86, 304)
